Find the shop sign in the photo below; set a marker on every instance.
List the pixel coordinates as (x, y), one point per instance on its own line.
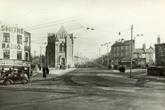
(17, 30)
(6, 63)
(18, 63)
(11, 46)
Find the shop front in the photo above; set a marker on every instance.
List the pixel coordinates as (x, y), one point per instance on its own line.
(15, 66)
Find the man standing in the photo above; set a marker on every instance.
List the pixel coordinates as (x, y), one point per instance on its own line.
(44, 72)
(47, 70)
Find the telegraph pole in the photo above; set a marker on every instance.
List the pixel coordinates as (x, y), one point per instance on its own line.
(41, 55)
(131, 50)
(77, 57)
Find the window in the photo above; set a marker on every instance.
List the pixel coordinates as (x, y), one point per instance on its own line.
(6, 37)
(26, 56)
(19, 39)
(114, 49)
(126, 53)
(26, 40)
(117, 48)
(64, 47)
(114, 55)
(125, 47)
(122, 47)
(19, 55)
(60, 47)
(117, 54)
(6, 54)
(122, 54)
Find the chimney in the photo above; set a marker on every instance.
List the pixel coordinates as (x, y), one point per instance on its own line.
(158, 40)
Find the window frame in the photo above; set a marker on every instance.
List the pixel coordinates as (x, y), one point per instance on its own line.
(4, 54)
(20, 55)
(6, 37)
(19, 41)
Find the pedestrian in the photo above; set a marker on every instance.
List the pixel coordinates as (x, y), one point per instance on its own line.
(44, 72)
(47, 70)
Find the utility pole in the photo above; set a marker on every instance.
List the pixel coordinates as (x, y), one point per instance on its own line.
(41, 55)
(131, 50)
(77, 57)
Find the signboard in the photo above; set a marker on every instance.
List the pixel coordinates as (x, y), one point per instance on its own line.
(4, 62)
(6, 28)
(18, 63)
(11, 46)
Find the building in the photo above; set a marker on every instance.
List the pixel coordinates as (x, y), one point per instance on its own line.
(121, 52)
(15, 46)
(81, 61)
(144, 56)
(160, 53)
(59, 50)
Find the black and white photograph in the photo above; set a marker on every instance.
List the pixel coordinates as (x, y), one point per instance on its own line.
(82, 54)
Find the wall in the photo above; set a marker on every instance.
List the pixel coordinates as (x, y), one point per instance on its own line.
(13, 46)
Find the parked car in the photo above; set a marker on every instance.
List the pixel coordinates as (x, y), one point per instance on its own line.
(19, 77)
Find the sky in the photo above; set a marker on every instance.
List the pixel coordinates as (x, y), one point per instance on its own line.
(92, 22)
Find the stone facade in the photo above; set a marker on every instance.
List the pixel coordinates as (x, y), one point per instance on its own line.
(59, 50)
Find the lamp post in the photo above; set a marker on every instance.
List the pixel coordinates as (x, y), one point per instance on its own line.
(41, 55)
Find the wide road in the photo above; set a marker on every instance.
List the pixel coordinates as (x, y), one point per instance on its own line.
(86, 89)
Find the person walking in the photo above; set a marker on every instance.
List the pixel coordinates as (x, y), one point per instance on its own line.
(47, 70)
(44, 72)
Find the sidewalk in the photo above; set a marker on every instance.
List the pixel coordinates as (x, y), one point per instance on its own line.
(57, 71)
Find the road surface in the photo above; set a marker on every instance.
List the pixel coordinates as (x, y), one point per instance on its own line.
(86, 89)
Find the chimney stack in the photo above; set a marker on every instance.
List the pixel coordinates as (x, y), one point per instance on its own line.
(158, 40)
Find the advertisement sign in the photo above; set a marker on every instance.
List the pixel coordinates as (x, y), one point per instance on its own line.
(6, 62)
(18, 63)
(11, 29)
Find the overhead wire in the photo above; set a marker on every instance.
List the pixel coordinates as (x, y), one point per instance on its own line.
(50, 23)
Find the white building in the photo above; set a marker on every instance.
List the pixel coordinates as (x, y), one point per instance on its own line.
(15, 46)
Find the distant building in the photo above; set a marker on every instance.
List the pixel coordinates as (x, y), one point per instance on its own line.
(160, 53)
(121, 52)
(59, 50)
(144, 56)
(79, 60)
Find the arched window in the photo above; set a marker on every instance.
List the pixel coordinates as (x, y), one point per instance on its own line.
(64, 47)
(63, 34)
(61, 47)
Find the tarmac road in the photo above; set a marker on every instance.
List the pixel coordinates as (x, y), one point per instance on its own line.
(86, 89)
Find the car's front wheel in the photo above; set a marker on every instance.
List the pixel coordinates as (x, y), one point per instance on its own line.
(7, 82)
(24, 81)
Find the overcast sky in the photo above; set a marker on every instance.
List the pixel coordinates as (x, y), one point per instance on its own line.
(106, 17)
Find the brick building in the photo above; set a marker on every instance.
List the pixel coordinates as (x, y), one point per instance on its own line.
(121, 52)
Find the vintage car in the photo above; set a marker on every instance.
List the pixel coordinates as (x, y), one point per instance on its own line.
(19, 77)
